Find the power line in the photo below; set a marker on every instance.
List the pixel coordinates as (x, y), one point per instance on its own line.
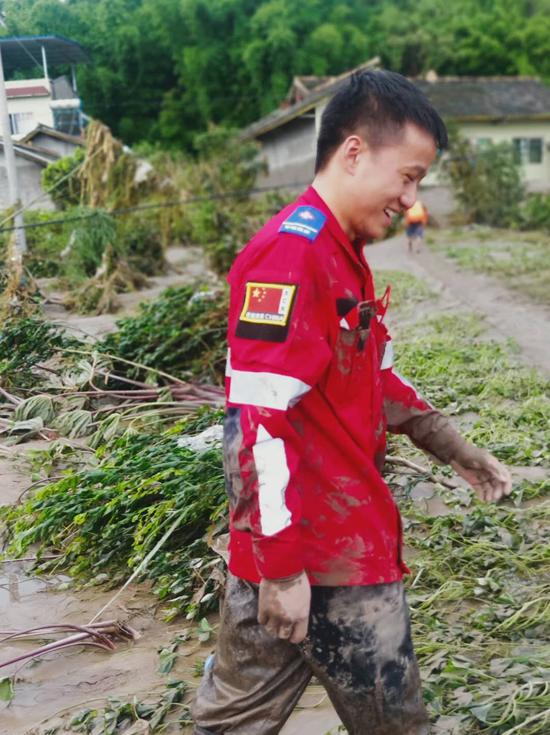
(160, 205)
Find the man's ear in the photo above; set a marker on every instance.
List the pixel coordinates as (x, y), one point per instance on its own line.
(350, 150)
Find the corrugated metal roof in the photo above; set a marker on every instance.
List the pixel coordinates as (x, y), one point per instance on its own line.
(42, 129)
(25, 52)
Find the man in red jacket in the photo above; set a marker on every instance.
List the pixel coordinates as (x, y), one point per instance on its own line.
(315, 564)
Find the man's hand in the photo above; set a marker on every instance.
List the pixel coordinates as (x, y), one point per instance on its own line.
(490, 479)
(284, 606)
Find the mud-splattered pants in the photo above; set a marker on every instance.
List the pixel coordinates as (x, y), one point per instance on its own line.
(358, 646)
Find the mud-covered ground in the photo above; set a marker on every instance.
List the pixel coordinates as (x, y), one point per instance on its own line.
(83, 677)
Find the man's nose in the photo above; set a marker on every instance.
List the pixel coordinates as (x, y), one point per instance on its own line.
(408, 198)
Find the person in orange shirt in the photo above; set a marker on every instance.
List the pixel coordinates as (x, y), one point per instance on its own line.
(416, 218)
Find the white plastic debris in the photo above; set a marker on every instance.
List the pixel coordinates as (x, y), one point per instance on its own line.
(207, 439)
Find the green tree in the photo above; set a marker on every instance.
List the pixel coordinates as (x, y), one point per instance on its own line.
(486, 181)
(162, 70)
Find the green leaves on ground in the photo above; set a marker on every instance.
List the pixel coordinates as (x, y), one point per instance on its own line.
(480, 604)
(182, 333)
(106, 519)
(150, 715)
(24, 343)
(6, 689)
(458, 370)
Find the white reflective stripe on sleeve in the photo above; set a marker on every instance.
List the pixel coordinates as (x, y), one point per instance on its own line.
(273, 476)
(387, 360)
(228, 370)
(267, 390)
(411, 386)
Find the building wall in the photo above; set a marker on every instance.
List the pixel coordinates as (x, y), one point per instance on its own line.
(536, 175)
(39, 107)
(289, 152)
(28, 175)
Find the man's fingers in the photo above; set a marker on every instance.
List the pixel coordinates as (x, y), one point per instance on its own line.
(300, 631)
(286, 631)
(272, 626)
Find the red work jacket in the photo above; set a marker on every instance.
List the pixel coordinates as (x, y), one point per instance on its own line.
(308, 371)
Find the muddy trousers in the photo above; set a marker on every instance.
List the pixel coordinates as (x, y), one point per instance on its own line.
(358, 646)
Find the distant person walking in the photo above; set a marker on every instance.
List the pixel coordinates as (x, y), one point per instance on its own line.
(416, 218)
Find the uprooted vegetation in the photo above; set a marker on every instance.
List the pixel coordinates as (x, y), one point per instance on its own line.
(478, 592)
(55, 386)
(121, 210)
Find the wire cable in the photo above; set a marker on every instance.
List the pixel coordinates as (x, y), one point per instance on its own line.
(45, 193)
(160, 205)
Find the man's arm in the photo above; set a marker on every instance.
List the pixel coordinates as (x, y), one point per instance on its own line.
(278, 352)
(408, 413)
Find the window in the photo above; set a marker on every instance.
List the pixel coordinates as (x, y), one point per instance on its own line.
(483, 143)
(67, 120)
(528, 150)
(21, 122)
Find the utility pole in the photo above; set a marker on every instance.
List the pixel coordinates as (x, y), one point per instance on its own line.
(9, 154)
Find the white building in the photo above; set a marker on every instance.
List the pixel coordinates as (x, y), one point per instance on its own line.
(50, 102)
(45, 113)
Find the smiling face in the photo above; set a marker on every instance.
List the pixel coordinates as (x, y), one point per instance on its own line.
(370, 184)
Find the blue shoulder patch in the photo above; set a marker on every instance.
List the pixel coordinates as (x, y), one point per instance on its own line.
(305, 221)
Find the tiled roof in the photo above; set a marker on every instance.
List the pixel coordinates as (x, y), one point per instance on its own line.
(37, 91)
(42, 129)
(488, 98)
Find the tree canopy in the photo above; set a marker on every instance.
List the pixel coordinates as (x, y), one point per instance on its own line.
(162, 70)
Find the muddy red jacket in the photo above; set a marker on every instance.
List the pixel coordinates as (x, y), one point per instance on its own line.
(309, 369)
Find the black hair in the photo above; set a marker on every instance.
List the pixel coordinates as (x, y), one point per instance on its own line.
(378, 103)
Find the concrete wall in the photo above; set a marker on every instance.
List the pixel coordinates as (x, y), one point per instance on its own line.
(289, 152)
(28, 174)
(439, 201)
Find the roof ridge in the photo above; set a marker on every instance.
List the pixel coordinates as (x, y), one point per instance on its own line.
(473, 77)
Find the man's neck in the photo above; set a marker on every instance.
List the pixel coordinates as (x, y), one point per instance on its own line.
(332, 198)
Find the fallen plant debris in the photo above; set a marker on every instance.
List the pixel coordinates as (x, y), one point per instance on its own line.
(54, 385)
(479, 591)
(104, 520)
(153, 712)
(101, 635)
(181, 333)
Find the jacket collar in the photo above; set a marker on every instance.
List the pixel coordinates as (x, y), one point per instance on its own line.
(310, 196)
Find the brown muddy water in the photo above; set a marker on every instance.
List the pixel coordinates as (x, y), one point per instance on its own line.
(70, 681)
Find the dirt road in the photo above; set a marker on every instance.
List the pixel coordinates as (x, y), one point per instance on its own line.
(507, 313)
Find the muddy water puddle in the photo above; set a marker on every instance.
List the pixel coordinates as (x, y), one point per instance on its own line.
(69, 680)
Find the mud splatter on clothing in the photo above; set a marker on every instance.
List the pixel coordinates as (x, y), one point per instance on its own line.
(358, 646)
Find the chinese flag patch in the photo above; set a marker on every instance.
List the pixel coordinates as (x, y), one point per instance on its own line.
(266, 311)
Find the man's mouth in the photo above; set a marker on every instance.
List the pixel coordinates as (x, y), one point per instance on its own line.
(389, 213)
